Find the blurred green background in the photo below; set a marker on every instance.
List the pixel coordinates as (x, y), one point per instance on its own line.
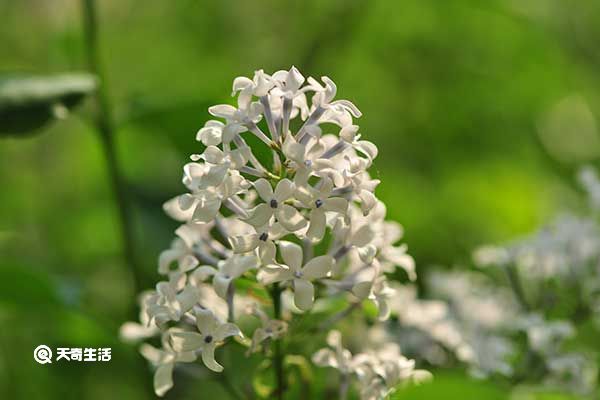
(482, 111)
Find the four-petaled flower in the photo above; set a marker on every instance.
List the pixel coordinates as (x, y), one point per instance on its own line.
(300, 276)
(263, 238)
(318, 200)
(212, 333)
(226, 271)
(288, 216)
(269, 328)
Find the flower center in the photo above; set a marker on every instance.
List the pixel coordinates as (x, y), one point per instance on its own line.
(263, 236)
(298, 274)
(318, 203)
(208, 339)
(273, 203)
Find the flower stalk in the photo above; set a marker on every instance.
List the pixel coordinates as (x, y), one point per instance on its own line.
(103, 121)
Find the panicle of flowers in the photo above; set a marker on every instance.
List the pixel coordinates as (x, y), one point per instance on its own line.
(377, 372)
(464, 322)
(254, 224)
(558, 265)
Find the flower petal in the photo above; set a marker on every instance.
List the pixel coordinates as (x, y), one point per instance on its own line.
(226, 330)
(166, 258)
(266, 252)
(272, 274)
(222, 111)
(367, 201)
(260, 215)
(187, 299)
(316, 229)
(244, 243)
(207, 207)
(362, 290)
(188, 263)
(304, 292)
(291, 254)
(151, 353)
(208, 358)
(284, 190)
(186, 341)
(163, 379)
(221, 284)
(290, 218)
(383, 309)
(294, 150)
(264, 189)
(186, 201)
(324, 358)
(367, 148)
(174, 210)
(335, 204)
(201, 274)
(318, 267)
(363, 236)
(206, 321)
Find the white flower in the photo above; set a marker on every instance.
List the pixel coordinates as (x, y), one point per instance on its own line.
(171, 300)
(288, 82)
(263, 238)
(378, 291)
(228, 270)
(207, 202)
(270, 329)
(133, 332)
(300, 276)
(212, 333)
(349, 134)
(306, 159)
(318, 200)
(259, 86)
(336, 356)
(211, 134)
(181, 251)
(274, 205)
(164, 360)
(339, 112)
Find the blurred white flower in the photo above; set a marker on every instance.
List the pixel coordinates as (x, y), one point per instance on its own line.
(270, 329)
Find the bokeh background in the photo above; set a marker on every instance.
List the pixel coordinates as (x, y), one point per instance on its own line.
(482, 112)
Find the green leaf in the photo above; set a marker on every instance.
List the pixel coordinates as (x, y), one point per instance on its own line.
(29, 102)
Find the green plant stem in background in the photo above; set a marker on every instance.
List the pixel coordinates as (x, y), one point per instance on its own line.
(278, 353)
(517, 287)
(105, 126)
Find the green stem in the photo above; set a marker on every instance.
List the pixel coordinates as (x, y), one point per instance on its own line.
(106, 129)
(517, 287)
(278, 353)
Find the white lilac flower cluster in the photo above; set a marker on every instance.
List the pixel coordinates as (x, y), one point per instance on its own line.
(475, 322)
(555, 276)
(303, 220)
(378, 372)
(464, 322)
